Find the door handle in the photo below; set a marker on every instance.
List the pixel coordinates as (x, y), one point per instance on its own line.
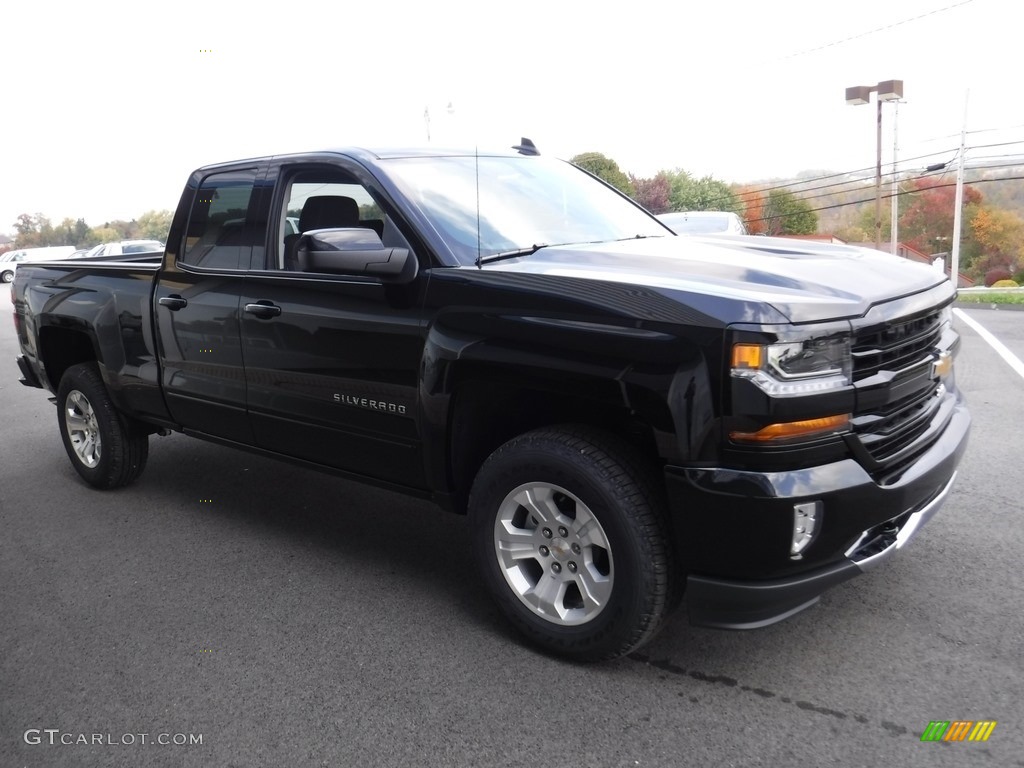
(263, 309)
(173, 302)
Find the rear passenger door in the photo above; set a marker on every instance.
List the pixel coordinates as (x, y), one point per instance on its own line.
(332, 361)
(197, 314)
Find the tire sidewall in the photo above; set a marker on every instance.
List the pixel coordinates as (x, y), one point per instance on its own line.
(545, 463)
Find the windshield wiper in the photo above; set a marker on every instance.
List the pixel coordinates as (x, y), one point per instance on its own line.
(528, 251)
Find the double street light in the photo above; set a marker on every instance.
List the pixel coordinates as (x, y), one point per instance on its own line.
(887, 90)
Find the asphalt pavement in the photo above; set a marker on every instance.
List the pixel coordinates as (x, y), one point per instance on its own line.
(281, 617)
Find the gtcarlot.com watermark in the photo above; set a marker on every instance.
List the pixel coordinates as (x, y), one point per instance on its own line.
(58, 736)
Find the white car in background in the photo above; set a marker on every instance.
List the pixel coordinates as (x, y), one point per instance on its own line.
(123, 247)
(704, 223)
(9, 261)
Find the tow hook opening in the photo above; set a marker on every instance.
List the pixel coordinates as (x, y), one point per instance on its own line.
(877, 540)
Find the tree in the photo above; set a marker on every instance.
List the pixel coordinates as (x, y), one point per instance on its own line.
(707, 194)
(104, 234)
(154, 225)
(33, 231)
(605, 169)
(928, 220)
(999, 236)
(786, 214)
(653, 194)
(752, 202)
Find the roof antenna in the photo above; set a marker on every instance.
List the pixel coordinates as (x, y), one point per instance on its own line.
(526, 147)
(476, 162)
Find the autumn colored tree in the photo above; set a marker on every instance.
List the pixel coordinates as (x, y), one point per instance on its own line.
(653, 194)
(605, 169)
(752, 201)
(999, 235)
(927, 222)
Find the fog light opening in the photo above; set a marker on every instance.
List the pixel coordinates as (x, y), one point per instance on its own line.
(805, 525)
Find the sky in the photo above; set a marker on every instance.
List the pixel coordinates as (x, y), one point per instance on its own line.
(107, 106)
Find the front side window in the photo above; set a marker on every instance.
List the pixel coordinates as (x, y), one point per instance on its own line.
(220, 234)
(326, 199)
(481, 206)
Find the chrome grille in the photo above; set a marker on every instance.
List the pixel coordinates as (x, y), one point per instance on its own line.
(886, 433)
(889, 433)
(895, 346)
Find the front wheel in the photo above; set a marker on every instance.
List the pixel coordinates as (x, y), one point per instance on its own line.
(6, 276)
(105, 448)
(570, 534)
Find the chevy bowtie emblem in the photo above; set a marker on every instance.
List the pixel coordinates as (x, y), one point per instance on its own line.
(942, 367)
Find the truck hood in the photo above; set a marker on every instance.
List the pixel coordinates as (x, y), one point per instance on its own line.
(802, 281)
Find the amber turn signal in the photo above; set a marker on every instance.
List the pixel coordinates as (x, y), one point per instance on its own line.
(789, 430)
(746, 356)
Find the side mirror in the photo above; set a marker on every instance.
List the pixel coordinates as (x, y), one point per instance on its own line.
(355, 251)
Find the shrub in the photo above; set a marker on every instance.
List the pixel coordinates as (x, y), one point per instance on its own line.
(1005, 284)
(1000, 273)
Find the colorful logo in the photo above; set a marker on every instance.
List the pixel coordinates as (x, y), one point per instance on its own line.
(958, 730)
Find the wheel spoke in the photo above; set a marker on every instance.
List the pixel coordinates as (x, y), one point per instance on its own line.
(537, 500)
(588, 530)
(519, 548)
(75, 421)
(80, 403)
(549, 594)
(594, 587)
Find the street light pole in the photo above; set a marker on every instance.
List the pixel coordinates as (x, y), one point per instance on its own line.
(887, 90)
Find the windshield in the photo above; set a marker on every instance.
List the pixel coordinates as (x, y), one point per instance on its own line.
(524, 202)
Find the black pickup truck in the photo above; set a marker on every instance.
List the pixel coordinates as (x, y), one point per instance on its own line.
(629, 418)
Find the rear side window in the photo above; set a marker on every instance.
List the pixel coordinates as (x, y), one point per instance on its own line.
(220, 233)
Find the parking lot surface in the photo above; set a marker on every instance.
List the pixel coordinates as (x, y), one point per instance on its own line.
(285, 617)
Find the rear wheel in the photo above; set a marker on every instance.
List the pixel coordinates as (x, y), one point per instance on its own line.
(570, 535)
(6, 276)
(107, 449)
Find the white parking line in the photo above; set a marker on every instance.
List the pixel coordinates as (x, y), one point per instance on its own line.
(993, 342)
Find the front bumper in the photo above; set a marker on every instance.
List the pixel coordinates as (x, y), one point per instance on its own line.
(732, 529)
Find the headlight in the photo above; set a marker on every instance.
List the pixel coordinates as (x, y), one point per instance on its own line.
(792, 368)
(946, 317)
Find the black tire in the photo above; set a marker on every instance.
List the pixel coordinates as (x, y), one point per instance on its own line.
(85, 413)
(6, 276)
(606, 536)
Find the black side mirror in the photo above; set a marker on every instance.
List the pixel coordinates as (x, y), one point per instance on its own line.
(355, 251)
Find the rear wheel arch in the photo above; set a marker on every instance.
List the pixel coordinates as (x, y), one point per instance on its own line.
(61, 348)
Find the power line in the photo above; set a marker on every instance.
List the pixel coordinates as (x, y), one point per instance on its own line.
(799, 187)
(876, 31)
(890, 195)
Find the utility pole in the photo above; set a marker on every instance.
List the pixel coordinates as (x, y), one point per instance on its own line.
(894, 208)
(958, 204)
